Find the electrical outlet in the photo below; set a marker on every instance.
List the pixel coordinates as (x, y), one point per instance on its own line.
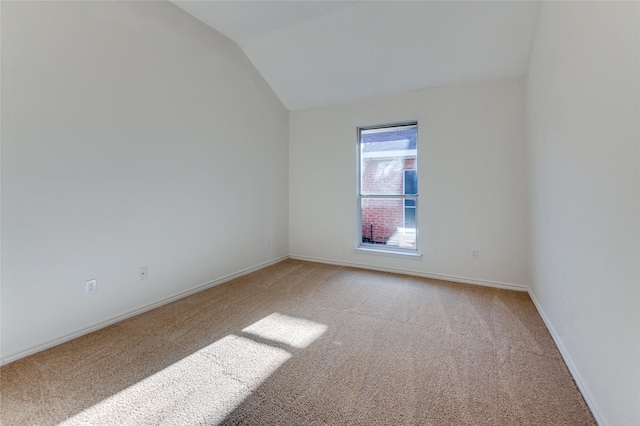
(91, 286)
(143, 273)
(474, 254)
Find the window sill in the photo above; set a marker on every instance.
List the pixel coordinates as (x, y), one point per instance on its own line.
(389, 253)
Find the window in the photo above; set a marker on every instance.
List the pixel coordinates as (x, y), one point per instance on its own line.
(388, 187)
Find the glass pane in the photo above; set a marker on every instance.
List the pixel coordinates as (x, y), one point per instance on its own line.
(386, 156)
(410, 182)
(409, 217)
(383, 223)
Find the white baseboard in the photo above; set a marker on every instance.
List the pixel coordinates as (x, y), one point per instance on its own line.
(86, 330)
(463, 280)
(584, 389)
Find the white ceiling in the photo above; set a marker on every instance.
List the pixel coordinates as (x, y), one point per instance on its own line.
(315, 53)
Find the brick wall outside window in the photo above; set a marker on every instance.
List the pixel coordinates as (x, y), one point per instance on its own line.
(385, 216)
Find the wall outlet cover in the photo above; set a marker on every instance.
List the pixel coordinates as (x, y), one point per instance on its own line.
(91, 286)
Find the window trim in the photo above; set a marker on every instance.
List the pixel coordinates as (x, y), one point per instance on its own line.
(383, 249)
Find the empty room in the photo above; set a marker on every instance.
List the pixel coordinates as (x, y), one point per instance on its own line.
(320, 212)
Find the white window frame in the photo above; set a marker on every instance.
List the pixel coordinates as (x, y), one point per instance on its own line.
(380, 248)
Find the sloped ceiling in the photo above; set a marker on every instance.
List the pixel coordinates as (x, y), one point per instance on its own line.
(316, 53)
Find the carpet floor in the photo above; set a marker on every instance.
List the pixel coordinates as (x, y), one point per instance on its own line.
(301, 343)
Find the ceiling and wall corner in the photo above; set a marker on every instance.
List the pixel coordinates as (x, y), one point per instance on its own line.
(320, 53)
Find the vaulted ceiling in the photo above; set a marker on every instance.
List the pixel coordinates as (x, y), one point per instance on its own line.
(315, 53)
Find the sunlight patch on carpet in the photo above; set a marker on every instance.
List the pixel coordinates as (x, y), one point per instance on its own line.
(292, 331)
(206, 386)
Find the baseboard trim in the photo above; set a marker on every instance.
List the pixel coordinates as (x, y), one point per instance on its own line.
(462, 280)
(582, 386)
(95, 327)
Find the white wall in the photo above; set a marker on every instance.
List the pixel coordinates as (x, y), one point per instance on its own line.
(471, 180)
(132, 135)
(582, 155)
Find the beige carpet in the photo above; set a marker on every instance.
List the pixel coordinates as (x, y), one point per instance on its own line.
(307, 344)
